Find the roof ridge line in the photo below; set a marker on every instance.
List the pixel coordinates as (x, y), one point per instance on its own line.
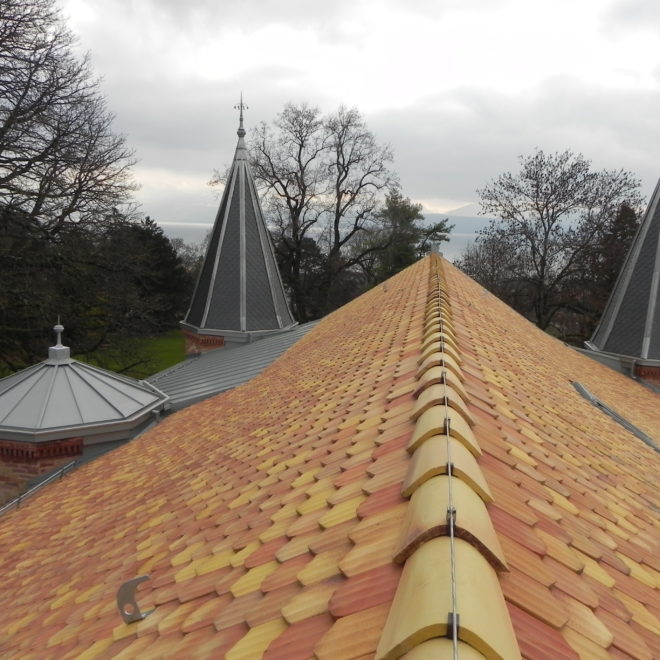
(447, 544)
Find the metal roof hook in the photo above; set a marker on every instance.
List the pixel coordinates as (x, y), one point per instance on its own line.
(128, 607)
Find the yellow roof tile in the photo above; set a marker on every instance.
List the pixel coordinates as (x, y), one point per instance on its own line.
(439, 395)
(434, 422)
(427, 517)
(341, 512)
(638, 572)
(310, 602)
(583, 646)
(255, 643)
(238, 558)
(252, 580)
(594, 570)
(323, 566)
(640, 613)
(582, 619)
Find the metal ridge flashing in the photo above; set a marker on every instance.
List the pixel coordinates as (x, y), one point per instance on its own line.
(449, 600)
(617, 417)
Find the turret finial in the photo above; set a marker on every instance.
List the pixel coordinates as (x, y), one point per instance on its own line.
(58, 353)
(241, 106)
(59, 329)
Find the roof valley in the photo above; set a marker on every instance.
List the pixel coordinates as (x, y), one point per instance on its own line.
(447, 544)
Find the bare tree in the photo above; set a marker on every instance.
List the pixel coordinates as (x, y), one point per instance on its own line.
(494, 260)
(60, 161)
(358, 171)
(64, 180)
(322, 179)
(289, 164)
(551, 215)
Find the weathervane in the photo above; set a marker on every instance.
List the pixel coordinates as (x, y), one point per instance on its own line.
(241, 106)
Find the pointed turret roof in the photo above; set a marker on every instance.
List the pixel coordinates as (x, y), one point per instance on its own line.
(630, 325)
(239, 292)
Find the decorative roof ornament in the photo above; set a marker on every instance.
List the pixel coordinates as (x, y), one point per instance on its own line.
(240, 106)
(59, 353)
(239, 293)
(630, 325)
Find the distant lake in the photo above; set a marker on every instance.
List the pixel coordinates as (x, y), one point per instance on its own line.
(464, 232)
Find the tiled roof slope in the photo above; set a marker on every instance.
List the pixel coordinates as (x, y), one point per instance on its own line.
(302, 514)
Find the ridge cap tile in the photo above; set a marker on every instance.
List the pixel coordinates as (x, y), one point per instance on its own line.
(426, 517)
(423, 599)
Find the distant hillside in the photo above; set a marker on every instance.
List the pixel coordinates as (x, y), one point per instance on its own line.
(464, 232)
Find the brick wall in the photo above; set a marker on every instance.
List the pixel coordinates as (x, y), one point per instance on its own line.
(195, 344)
(20, 462)
(648, 373)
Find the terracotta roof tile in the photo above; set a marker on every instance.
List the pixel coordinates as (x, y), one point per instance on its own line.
(297, 642)
(537, 639)
(353, 635)
(311, 601)
(268, 517)
(237, 611)
(286, 572)
(515, 529)
(270, 606)
(204, 615)
(256, 641)
(534, 598)
(368, 589)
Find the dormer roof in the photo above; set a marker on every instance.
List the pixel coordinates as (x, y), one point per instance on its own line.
(239, 292)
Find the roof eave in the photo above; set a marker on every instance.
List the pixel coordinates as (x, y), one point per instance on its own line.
(235, 335)
(622, 363)
(85, 430)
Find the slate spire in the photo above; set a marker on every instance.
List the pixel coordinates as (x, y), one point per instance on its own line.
(630, 325)
(239, 293)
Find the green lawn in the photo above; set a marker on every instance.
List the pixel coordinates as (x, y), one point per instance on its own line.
(140, 357)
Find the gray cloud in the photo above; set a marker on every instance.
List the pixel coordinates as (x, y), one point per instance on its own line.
(453, 144)
(447, 144)
(627, 14)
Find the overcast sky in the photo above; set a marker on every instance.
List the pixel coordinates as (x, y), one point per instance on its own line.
(458, 88)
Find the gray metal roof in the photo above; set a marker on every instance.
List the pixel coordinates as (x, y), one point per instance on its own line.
(224, 368)
(61, 397)
(630, 324)
(239, 289)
